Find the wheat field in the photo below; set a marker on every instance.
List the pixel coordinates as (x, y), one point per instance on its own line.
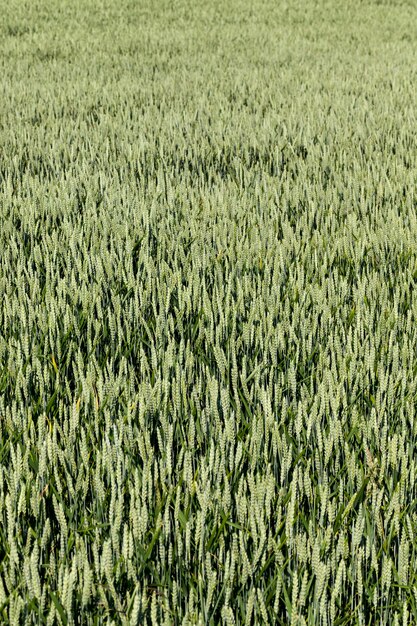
(208, 267)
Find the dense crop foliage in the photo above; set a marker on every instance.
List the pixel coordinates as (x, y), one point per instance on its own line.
(208, 266)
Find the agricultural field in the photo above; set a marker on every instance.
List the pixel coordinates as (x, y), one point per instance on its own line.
(208, 339)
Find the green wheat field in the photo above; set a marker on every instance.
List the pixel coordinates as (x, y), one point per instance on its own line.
(208, 302)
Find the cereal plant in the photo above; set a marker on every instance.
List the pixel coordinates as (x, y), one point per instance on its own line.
(208, 266)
